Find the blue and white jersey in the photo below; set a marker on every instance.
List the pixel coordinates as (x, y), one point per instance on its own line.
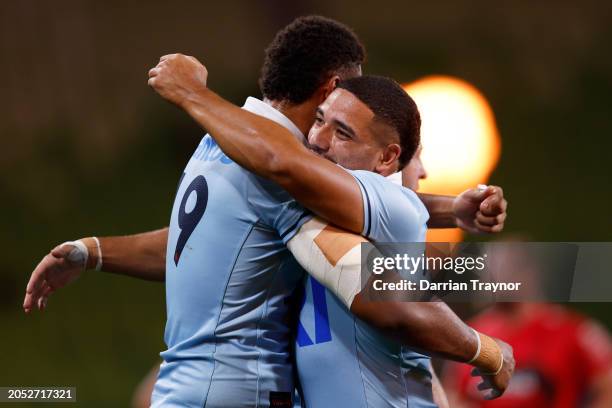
(229, 278)
(343, 362)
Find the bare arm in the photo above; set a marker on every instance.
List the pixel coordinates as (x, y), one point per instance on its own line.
(141, 256)
(333, 257)
(440, 210)
(431, 327)
(261, 145)
(475, 210)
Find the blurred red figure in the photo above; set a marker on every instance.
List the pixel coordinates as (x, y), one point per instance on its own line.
(563, 359)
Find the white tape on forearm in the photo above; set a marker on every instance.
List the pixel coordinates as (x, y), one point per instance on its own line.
(79, 253)
(477, 354)
(336, 265)
(99, 259)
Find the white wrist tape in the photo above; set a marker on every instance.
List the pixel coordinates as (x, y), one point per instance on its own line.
(331, 256)
(79, 253)
(477, 354)
(486, 358)
(501, 364)
(99, 248)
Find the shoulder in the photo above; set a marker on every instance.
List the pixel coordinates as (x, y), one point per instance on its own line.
(392, 212)
(394, 197)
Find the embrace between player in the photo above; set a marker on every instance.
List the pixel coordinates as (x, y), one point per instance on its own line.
(228, 272)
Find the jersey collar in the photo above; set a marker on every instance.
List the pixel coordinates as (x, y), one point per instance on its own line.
(261, 108)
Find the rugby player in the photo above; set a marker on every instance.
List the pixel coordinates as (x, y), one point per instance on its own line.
(222, 350)
(374, 129)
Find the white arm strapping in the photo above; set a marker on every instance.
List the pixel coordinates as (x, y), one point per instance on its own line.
(79, 254)
(331, 256)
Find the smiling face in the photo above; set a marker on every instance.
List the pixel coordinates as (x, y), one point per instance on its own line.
(347, 132)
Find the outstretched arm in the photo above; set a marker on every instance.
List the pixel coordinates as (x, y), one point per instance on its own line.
(475, 210)
(142, 256)
(261, 145)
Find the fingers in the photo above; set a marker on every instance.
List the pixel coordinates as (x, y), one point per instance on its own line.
(38, 286)
(484, 385)
(492, 394)
(490, 221)
(39, 275)
(487, 228)
(28, 302)
(494, 203)
(42, 303)
(474, 195)
(62, 251)
(487, 389)
(153, 72)
(43, 299)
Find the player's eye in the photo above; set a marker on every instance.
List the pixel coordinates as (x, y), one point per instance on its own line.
(343, 134)
(319, 121)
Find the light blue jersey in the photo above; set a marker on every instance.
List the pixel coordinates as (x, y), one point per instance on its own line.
(229, 281)
(229, 278)
(343, 362)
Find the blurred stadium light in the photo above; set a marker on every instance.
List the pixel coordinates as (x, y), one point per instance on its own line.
(461, 144)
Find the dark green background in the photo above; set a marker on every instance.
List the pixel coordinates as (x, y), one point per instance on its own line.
(87, 148)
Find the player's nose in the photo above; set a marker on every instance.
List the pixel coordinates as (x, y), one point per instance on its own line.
(423, 173)
(319, 140)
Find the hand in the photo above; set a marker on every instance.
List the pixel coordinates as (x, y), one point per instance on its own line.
(55, 271)
(478, 211)
(493, 386)
(176, 77)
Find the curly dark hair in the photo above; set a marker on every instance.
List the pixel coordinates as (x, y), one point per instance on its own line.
(304, 54)
(392, 106)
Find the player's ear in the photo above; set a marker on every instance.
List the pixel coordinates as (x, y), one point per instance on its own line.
(330, 85)
(388, 163)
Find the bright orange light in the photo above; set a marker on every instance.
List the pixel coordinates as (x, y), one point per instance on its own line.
(461, 144)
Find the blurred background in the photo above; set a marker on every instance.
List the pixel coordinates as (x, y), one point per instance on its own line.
(89, 149)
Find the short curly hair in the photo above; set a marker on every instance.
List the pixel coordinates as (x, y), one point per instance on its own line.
(392, 106)
(304, 54)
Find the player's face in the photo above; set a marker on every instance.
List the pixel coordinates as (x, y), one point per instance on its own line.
(345, 132)
(414, 171)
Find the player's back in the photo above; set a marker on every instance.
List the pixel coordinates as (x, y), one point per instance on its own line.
(228, 280)
(341, 360)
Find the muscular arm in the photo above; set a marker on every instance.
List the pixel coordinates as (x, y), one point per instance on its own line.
(440, 208)
(141, 256)
(431, 327)
(333, 257)
(269, 150)
(476, 210)
(261, 145)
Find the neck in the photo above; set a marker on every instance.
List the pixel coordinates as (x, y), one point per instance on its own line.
(302, 115)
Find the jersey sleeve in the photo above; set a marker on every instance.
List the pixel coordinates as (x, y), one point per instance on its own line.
(276, 208)
(391, 212)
